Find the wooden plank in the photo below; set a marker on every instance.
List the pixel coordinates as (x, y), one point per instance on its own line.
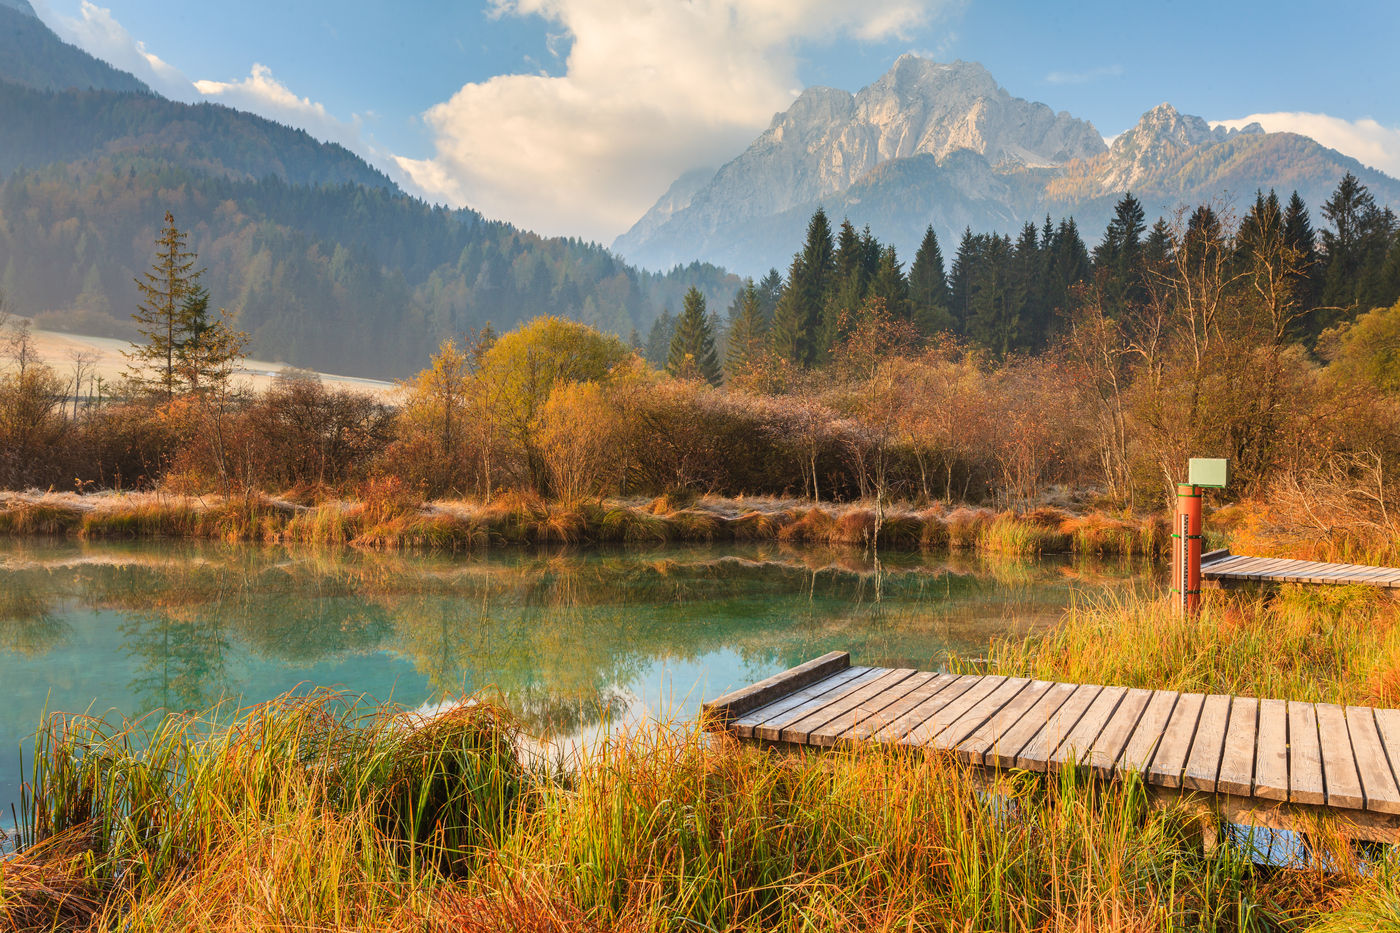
(1104, 753)
(1304, 756)
(797, 730)
(828, 734)
(1271, 751)
(1377, 780)
(771, 728)
(1147, 734)
(980, 712)
(1339, 773)
(1170, 759)
(973, 748)
(1006, 750)
(1036, 753)
(737, 702)
(1211, 557)
(1388, 725)
(899, 728)
(883, 718)
(941, 718)
(1080, 739)
(1237, 762)
(1203, 762)
(744, 725)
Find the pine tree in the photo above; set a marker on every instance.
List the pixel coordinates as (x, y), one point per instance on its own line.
(1300, 237)
(748, 333)
(928, 287)
(797, 325)
(770, 290)
(210, 346)
(960, 279)
(890, 286)
(693, 347)
(658, 347)
(160, 315)
(1118, 257)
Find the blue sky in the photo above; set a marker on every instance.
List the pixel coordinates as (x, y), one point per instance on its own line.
(572, 116)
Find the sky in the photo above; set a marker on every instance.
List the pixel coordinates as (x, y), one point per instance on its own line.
(571, 117)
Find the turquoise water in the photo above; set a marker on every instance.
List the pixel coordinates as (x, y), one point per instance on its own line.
(571, 640)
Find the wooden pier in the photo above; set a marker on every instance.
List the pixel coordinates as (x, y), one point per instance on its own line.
(1226, 569)
(1262, 762)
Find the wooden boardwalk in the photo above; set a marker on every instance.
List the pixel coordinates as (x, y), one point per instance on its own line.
(1261, 762)
(1225, 568)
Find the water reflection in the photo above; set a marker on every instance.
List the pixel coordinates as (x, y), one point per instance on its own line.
(567, 638)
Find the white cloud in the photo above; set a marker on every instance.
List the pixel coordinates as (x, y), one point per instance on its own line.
(1369, 142)
(264, 95)
(1085, 77)
(651, 88)
(98, 33)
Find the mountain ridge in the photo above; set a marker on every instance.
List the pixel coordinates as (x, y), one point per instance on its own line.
(973, 156)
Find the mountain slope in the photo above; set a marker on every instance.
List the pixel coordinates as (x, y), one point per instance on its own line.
(30, 54)
(325, 261)
(944, 145)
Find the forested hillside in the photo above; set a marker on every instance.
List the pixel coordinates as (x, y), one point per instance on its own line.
(32, 55)
(345, 278)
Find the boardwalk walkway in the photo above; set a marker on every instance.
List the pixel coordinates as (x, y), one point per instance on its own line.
(1261, 762)
(1225, 568)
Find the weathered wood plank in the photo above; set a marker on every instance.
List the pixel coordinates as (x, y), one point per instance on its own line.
(1036, 754)
(1147, 734)
(1304, 756)
(796, 731)
(1339, 772)
(1080, 739)
(830, 733)
(1170, 759)
(1203, 761)
(1377, 780)
(883, 718)
(771, 729)
(973, 748)
(1107, 748)
(744, 725)
(1237, 763)
(979, 713)
(736, 702)
(1005, 752)
(1271, 751)
(942, 717)
(899, 728)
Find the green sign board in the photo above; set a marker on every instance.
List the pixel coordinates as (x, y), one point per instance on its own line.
(1207, 471)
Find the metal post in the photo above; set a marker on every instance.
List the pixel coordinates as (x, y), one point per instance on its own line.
(1186, 549)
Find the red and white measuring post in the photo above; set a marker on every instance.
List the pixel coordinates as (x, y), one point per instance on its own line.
(1187, 534)
(1186, 549)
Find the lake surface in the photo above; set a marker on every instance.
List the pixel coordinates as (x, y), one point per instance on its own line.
(573, 640)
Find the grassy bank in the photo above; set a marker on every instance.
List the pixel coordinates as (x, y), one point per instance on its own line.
(304, 814)
(395, 521)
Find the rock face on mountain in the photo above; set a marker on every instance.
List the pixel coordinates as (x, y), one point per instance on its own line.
(943, 144)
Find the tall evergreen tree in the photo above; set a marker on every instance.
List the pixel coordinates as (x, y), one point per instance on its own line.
(928, 287)
(692, 353)
(1118, 257)
(1031, 314)
(748, 333)
(658, 346)
(890, 285)
(1300, 237)
(770, 290)
(960, 279)
(205, 357)
(797, 325)
(161, 315)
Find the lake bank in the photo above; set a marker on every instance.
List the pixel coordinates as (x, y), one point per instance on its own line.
(358, 830)
(394, 520)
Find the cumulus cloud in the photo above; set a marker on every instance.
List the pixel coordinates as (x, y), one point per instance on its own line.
(1369, 142)
(96, 31)
(651, 88)
(264, 95)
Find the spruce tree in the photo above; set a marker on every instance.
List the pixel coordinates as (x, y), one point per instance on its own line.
(960, 279)
(797, 326)
(1118, 257)
(1300, 237)
(890, 285)
(210, 346)
(658, 347)
(748, 333)
(692, 352)
(770, 290)
(161, 315)
(928, 287)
